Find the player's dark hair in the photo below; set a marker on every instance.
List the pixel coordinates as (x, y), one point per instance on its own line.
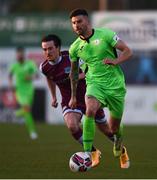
(20, 48)
(54, 38)
(77, 12)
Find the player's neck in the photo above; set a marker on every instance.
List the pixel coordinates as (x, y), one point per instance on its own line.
(21, 61)
(88, 35)
(56, 61)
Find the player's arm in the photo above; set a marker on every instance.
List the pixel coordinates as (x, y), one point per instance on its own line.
(74, 76)
(10, 77)
(52, 88)
(33, 71)
(125, 54)
(30, 77)
(83, 69)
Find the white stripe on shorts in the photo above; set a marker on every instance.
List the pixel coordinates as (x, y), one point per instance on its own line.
(67, 109)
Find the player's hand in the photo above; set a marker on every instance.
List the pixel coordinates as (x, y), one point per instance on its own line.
(81, 75)
(28, 78)
(54, 103)
(73, 102)
(109, 62)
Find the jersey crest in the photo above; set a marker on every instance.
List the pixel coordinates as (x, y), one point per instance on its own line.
(96, 42)
(67, 70)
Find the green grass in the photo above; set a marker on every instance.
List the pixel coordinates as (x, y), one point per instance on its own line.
(48, 156)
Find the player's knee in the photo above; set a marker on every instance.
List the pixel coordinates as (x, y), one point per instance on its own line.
(73, 127)
(90, 112)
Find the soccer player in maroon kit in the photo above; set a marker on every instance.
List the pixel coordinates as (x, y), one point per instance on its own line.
(56, 68)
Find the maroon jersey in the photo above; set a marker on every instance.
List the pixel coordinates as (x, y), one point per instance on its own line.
(59, 74)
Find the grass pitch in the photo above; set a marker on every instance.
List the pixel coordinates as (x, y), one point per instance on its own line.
(48, 157)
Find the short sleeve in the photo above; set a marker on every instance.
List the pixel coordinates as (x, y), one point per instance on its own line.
(73, 53)
(112, 37)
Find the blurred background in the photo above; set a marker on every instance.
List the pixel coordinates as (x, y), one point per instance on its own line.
(23, 23)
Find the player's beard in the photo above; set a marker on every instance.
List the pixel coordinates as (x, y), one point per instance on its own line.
(82, 32)
(79, 32)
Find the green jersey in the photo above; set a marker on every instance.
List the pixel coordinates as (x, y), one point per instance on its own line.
(21, 71)
(93, 51)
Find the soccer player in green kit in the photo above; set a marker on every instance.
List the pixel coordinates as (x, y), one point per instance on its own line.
(104, 78)
(24, 72)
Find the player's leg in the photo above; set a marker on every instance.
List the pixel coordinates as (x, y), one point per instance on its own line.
(105, 128)
(119, 150)
(92, 105)
(19, 97)
(72, 118)
(103, 125)
(29, 121)
(100, 119)
(25, 101)
(116, 107)
(93, 93)
(117, 132)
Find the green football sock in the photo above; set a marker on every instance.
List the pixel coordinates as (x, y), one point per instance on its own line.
(119, 134)
(88, 133)
(118, 138)
(29, 122)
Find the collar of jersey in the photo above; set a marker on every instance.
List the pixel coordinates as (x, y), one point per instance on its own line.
(56, 62)
(87, 39)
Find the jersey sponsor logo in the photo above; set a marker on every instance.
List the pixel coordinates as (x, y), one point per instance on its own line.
(67, 70)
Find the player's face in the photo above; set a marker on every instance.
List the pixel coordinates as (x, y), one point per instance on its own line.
(51, 52)
(20, 56)
(80, 24)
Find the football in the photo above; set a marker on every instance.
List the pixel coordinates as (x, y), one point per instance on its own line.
(80, 162)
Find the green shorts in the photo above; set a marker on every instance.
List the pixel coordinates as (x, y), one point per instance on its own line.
(113, 99)
(25, 96)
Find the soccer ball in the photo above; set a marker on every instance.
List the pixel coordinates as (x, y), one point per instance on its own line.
(80, 162)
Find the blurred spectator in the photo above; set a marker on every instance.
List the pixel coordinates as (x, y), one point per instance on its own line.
(146, 72)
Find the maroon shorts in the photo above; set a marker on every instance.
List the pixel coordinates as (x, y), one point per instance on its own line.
(99, 118)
